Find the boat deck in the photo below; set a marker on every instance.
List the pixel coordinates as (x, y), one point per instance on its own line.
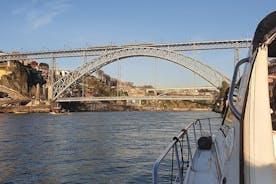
(204, 168)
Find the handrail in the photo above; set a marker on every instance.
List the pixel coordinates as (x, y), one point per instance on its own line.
(236, 113)
(174, 146)
(162, 156)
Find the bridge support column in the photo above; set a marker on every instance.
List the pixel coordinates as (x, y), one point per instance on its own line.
(236, 58)
(51, 79)
(44, 91)
(8, 64)
(37, 95)
(50, 92)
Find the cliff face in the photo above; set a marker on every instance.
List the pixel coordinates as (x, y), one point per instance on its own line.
(91, 86)
(22, 79)
(34, 78)
(16, 80)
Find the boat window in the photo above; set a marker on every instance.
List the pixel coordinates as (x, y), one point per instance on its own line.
(272, 89)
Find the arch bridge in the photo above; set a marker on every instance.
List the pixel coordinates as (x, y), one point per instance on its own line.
(211, 75)
(105, 55)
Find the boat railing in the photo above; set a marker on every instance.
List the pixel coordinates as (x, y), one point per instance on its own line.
(182, 149)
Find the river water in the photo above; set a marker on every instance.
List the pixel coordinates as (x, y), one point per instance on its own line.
(91, 147)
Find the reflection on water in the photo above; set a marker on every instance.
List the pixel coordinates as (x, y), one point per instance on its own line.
(103, 147)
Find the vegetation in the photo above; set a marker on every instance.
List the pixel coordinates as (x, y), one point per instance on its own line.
(223, 92)
(223, 89)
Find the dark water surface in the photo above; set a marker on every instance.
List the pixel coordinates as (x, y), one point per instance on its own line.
(92, 147)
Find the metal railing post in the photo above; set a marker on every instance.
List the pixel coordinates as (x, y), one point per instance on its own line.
(194, 131)
(157, 162)
(210, 126)
(189, 148)
(200, 127)
(178, 164)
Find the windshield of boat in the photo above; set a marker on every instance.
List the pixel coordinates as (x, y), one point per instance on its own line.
(237, 92)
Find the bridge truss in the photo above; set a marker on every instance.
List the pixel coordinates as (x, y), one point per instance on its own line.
(212, 76)
(96, 51)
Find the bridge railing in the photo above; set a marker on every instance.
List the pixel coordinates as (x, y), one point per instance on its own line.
(173, 163)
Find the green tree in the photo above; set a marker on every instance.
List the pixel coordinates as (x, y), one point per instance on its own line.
(223, 88)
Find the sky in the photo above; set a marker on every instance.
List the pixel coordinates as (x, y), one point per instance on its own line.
(33, 25)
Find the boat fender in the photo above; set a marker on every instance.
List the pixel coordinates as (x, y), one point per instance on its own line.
(176, 139)
(224, 180)
(204, 143)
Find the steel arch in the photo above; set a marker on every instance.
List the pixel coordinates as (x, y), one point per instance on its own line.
(206, 72)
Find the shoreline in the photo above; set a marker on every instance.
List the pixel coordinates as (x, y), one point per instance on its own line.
(43, 109)
(107, 107)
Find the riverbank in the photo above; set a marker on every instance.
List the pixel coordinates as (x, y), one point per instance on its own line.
(144, 106)
(26, 109)
(47, 109)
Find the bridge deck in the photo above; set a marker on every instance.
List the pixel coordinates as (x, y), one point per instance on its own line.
(99, 50)
(129, 98)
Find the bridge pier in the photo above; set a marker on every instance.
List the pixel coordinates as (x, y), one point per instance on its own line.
(50, 93)
(236, 59)
(236, 56)
(51, 79)
(37, 95)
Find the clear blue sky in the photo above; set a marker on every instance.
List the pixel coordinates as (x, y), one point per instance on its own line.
(57, 24)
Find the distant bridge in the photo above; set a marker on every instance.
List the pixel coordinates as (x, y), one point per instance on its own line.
(129, 98)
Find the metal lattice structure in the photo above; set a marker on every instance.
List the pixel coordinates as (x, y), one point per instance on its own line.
(100, 50)
(211, 75)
